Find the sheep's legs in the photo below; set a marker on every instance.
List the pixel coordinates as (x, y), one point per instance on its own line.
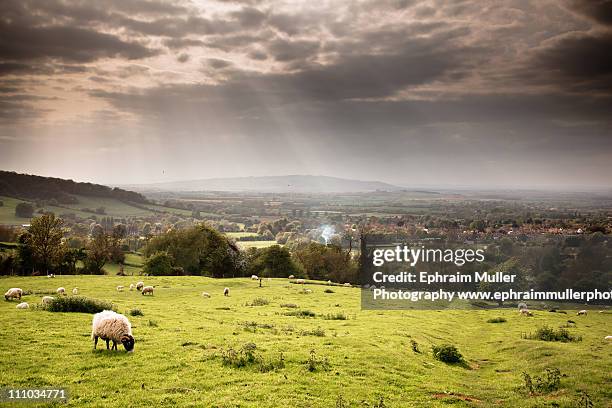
(107, 345)
(95, 342)
(114, 345)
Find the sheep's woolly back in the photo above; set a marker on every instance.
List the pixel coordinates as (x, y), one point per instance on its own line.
(75, 291)
(47, 299)
(23, 305)
(109, 325)
(139, 285)
(61, 290)
(147, 289)
(14, 292)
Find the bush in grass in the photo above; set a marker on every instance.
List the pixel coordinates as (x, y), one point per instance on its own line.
(548, 382)
(549, 334)
(415, 346)
(315, 363)
(136, 312)
(301, 313)
(328, 291)
(78, 304)
(247, 356)
(447, 353)
(289, 305)
(335, 316)
(497, 320)
(258, 302)
(318, 332)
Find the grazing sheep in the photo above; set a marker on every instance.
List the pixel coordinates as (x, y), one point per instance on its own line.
(608, 338)
(111, 326)
(348, 285)
(75, 291)
(254, 277)
(23, 305)
(205, 294)
(147, 290)
(329, 282)
(47, 299)
(300, 281)
(13, 293)
(139, 285)
(226, 292)
(307, 291)
(50, 275)
(582, 313)
(61, 291)
(291, 277)
(132, 286)
(120, 288)
(525, 312)
(522, 306)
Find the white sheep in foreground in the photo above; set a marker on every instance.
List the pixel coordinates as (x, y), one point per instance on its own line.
(226, 292)
(47, 299)
(13, 293)
(300, 281)
(147, 290)
(120, 288)
(205, 294)
(139, 285)
(254, 277)
(23, 305)
(61, 291)
(291, 277)
(132, 286)
(111, 326)
(582, 313)
(75, 291)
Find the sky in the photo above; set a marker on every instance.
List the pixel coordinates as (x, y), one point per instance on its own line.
(506, 94)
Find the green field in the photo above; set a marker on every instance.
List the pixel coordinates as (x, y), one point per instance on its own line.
(182, 336)
(255, 244)
(236, 235)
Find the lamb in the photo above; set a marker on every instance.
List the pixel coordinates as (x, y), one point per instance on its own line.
(226, 292)
(75, 291)
(139, 285)
(47, 299)
(608, 338)
(525, 312)
(348, 285)
(307, 291)
(291, 277)
(582, 313)
(111, 326)
(23, 305)
(13, 293)
(61, 291)
(120, 288)
(329, 282)
(147, 290)
(300, 281)
(254, 277)
(205, 294)
(132, 286)
(50, 275)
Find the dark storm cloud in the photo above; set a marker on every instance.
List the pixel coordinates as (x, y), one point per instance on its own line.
(283, 50)
(598, 10)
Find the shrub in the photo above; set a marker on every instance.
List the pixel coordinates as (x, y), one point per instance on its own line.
(318, 332)
(415, 346)
(301, 313)
(447, 353)
(335, 316)
(289, 305)
(258, 302)
(153, 323)
(252, 326)
(549, 334)
(315, 363)
(77, 304)
(247, 356)
(24, 210)
(328, 291)
(158, 264)
(136, 312)
(550, 381)
(497, 320)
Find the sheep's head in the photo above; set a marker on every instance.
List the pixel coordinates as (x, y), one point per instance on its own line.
(128, 342)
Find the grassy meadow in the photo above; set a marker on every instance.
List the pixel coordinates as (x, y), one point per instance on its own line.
(360, 357)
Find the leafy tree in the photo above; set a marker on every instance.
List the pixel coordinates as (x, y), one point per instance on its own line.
(273, 262)
(45, 240)
(158, 264)
(511, 267)
(327, 262)
(24, 210)
(97, 254)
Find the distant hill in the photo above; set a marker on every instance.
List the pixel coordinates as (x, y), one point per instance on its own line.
(275, 184)
(32, 187)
